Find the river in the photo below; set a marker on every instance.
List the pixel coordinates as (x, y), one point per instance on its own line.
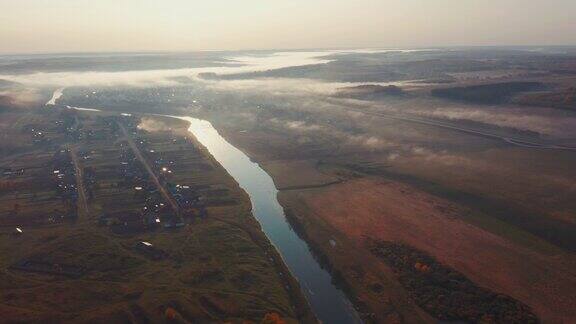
(57, 94)
(328, 302)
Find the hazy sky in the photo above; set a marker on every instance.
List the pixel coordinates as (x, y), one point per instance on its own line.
(127, 25)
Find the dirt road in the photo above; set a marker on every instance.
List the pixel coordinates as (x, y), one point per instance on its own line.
(146, 165)
(82, 201)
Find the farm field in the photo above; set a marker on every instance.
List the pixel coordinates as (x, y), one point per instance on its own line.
(343, 203)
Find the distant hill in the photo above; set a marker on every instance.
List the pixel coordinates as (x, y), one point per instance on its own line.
(370, 91)
(493, 93)
(6, 102)
(562, 99)
(4, 84)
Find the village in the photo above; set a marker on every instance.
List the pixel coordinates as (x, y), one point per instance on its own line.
(92, 196)
(124, 195)
(39, 188)
(135, 182)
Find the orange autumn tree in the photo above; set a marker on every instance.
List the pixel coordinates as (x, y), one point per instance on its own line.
(273, 318)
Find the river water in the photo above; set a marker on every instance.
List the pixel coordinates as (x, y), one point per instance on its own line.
(328, 302)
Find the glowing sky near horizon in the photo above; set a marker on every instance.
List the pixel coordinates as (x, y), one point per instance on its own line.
(133, 25)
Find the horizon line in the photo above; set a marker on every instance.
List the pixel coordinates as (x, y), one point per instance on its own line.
(159, 51)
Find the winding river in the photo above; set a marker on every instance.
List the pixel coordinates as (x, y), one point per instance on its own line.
(328, 302)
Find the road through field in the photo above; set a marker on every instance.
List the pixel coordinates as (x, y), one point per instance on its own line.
(79, 174)
(436, 123)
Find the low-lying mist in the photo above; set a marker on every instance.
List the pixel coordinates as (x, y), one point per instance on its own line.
(282, 93)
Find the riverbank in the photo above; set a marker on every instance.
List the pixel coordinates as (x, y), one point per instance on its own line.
(327, 301)
(336, 218)
(250, 225)
(353, 269)
(372, 289)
